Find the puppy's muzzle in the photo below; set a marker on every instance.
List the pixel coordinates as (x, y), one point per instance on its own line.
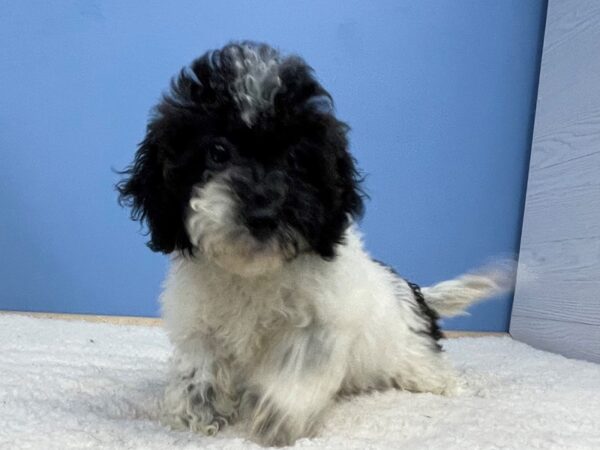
(261, 201)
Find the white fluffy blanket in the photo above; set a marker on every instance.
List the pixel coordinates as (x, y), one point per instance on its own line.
(67, 385)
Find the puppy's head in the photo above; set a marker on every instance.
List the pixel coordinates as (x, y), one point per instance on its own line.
(245, 163)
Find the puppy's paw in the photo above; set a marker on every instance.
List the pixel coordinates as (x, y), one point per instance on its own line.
(271, 428)
(275, 427)
(451, 388)
(191, 406)
(448, 386)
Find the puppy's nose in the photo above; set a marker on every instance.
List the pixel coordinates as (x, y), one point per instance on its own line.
(262, 196)
(261, 223)
(269, 190)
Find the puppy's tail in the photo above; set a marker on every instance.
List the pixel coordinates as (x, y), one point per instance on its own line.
(453, 297)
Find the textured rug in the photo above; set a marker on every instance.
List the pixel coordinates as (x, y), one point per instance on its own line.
(75, 385)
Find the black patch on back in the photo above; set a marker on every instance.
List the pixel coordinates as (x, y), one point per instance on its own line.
(424, 310)
(434, 329)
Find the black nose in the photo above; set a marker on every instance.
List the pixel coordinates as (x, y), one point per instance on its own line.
(261, 223)
(261, 197)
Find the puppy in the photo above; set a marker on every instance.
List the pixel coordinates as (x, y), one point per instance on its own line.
(272, 304)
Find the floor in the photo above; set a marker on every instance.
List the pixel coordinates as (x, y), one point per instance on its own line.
(74, 384)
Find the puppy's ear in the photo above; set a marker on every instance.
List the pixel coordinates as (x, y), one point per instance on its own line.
(152, 198)
(347, 204)
(305, 104)
(348, 177)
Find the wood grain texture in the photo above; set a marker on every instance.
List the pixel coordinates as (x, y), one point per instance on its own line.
(557, 297)
(575, 340)
(563, 201)
(569, 300)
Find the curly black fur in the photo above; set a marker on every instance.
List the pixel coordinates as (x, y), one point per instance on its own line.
(296, 148)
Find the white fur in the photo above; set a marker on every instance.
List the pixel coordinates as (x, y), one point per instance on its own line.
(452, 297)
(274, 334)
(212, 227)
(294, 338)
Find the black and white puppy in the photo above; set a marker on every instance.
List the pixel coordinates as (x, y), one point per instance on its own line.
(272, 304)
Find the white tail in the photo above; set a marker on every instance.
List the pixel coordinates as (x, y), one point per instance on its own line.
(453, 297)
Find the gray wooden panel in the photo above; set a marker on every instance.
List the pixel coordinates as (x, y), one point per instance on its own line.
(563, 200)
(557, 297)
(567, 301)
(575, 340)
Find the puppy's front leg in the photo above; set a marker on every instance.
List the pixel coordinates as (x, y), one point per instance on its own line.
(198, 396)
(294, 385)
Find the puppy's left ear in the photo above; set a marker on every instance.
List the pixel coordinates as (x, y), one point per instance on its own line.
(152, 199)
(348, 177)
(339, 180)
(347, 204)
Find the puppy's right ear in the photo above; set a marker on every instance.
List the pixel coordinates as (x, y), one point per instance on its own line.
(153, 201)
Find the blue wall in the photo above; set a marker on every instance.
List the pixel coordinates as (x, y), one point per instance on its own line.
(439, 94)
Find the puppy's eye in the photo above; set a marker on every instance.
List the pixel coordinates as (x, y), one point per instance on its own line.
(219, 154)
